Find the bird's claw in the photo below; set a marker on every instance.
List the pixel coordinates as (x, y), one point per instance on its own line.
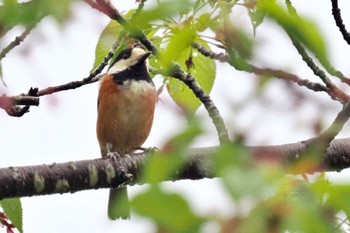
(113, 155)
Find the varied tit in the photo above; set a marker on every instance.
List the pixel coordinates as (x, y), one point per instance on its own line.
(126, 103)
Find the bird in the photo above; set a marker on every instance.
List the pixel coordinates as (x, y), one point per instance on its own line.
(126, 103)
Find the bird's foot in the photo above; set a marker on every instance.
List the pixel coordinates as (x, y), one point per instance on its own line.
(111, 154)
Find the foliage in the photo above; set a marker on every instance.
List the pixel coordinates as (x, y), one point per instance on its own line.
(279, 202)
(12, 207)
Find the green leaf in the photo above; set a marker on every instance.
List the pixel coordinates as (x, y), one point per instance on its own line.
(160, 167)
(338, 197)
(164, 10)
(256, 15)
(164, 165)
(31, 12)
(203, 22)
(108, 36)
(13, 210)
(201, 67)
(169, 210)
(308, 212)
(178, 45)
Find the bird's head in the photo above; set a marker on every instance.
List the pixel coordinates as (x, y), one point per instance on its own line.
(129, 58)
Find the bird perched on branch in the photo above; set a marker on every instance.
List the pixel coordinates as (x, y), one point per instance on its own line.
(126, 103)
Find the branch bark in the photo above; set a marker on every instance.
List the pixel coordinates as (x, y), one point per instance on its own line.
(106, 173)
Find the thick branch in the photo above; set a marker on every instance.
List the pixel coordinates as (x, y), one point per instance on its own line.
(106, 173)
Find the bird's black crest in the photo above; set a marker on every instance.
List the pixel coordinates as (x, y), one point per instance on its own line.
(125, 54)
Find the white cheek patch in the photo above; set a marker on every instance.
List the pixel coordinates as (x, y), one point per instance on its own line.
(120, 66)
(124, 64)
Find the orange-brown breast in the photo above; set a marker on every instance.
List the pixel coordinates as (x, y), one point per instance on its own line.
(125, 115)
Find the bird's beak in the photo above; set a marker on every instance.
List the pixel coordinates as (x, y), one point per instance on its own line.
(144, 56)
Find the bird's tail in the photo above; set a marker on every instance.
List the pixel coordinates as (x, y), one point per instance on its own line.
(118, 204)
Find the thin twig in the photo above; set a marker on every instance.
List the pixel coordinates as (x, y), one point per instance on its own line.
(139, 8)
(335, 91)
(209, 105)
(334, 129)
(18, 40)
(93, 76)
(270, 72)
(10, 104)
(339, 21)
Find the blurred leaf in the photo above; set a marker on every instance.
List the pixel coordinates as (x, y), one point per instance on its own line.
(164, 164)
(255, 14)
(237, 61)
(201, 67)
(308, 212)
(169, 210)
(338, 197)
(13, 209)
(242, 176)
(237, 40)
(294, 208)
(164, 10)
(8, 2)
(203, 22)
(30, 13)
(160, 167)
(302, 29)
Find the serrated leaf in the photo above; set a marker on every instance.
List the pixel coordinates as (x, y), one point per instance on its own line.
(202, 68)
(169, 210)
(178, 45)
(13, 209)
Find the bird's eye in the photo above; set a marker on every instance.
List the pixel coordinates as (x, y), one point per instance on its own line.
(125, 56)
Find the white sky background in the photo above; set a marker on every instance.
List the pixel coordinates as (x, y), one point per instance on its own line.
(63, 127)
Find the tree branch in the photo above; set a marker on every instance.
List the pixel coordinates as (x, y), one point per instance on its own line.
(335, 91)
(339, 21)
(268, 71)
(106, 173)
(18, 40)
(10, 104)
(209, 105)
